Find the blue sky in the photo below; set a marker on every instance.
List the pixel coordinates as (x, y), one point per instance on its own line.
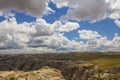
(104, 26)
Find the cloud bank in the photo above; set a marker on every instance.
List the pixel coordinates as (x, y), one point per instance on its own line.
(43, 36)
(37, 34)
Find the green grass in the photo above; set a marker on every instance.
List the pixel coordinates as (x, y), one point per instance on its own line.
(107, 63)
(95, 56)
(106, 60)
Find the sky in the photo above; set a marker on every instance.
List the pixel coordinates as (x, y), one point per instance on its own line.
(47, 26)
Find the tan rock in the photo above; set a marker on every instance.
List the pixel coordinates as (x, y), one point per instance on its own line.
(44, 73)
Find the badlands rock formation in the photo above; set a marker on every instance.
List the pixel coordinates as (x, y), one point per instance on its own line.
(44, 73)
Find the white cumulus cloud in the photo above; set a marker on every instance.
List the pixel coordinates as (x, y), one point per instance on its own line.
(69, 26)
(34, 34)
(88, 34)
(94, 10)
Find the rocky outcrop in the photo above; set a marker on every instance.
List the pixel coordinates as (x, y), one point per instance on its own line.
(73, 72)
(44, 73)
(90, 72)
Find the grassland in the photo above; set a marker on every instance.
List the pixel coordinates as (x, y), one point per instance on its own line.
(94, 56)
(107, 63)
(106, 60)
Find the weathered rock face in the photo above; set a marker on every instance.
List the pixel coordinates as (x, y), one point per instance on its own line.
(44, 73)
(89, 72)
